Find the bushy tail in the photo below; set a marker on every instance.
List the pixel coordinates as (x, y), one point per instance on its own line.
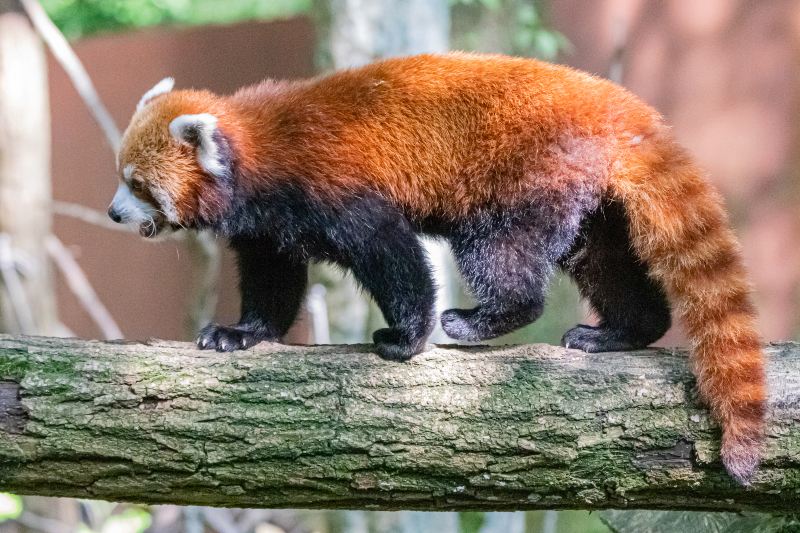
(679, 227)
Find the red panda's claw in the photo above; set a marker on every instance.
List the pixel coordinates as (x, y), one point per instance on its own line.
(225, 338)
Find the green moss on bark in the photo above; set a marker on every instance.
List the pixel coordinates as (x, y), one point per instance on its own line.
(516, 427)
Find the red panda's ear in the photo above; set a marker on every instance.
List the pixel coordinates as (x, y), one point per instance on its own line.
(201, 133)
(162, 87)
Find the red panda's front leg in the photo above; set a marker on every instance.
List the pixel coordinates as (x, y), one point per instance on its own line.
(272, 285)
(393, 267)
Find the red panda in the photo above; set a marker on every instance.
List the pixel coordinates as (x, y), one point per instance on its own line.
(522, 166)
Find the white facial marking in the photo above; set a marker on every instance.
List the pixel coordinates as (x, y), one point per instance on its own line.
(198, 131)
(162, 87)
(135, 206)
(130, 208)
(165, 203)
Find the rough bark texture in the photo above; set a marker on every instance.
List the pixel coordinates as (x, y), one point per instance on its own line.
(517, 427)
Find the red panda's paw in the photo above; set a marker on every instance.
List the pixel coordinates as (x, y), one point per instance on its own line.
(226, 338)
(391, 344)
(460, 324)
(593, 339)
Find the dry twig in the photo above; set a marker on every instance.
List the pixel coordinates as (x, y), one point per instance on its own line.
(82, 289)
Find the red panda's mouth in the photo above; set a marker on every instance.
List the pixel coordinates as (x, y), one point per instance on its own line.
(151, 228)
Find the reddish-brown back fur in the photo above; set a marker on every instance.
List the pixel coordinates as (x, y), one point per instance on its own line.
(444, 136)
(486, 124)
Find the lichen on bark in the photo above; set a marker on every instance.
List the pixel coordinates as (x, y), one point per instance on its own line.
(514, 427)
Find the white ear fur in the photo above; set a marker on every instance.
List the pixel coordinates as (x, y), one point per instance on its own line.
(197, 131)
(162, 87)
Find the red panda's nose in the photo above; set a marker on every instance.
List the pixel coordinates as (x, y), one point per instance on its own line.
(112, 213)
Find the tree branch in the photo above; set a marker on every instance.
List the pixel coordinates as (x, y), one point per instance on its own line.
(516, 427)
(79, 284)
(89, 216)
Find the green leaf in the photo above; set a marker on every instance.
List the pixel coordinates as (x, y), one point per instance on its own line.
(527, 15)
(132, 520)
(492, 4)
(547, 43)
(470, 522)
(10, 506)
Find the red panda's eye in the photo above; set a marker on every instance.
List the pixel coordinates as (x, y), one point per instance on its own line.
(137, 186)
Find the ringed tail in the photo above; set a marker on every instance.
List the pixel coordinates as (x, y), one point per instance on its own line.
(680, 229)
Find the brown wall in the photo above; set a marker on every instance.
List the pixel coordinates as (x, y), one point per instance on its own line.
(725, 73)
(145, 285)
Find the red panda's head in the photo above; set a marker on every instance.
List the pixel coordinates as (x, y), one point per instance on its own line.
(174, 162)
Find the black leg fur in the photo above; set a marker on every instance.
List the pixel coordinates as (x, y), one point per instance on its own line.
(507, 260)
(272, 285)
(393, 267)
(633, 308)
(360, 231)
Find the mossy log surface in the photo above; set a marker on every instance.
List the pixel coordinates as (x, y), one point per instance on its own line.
(514, 427)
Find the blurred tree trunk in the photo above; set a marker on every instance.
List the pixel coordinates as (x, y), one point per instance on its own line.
(27, 291)
(362, 31)
(356, 32)
(25, 197)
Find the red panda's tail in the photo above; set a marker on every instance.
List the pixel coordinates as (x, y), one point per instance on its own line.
(679, 228)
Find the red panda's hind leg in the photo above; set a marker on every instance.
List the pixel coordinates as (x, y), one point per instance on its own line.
(632, 307)
(507, 260)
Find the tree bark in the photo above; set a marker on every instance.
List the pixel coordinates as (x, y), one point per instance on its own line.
(516, 427)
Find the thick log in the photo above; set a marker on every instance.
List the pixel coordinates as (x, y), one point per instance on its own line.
(516, 427)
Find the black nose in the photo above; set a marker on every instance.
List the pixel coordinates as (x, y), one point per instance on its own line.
(114, 215)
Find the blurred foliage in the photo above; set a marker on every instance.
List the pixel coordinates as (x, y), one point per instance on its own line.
(698, 522)
(562, 311)
(110, 517)
(10, 506)
(95, 516)
(525, 31)
(505, 26)
(567, 522)
(471, 522)
(78, 18)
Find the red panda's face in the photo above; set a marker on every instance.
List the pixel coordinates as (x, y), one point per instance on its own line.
(171, 164)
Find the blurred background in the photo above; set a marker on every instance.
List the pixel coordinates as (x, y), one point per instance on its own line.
(724, 73)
